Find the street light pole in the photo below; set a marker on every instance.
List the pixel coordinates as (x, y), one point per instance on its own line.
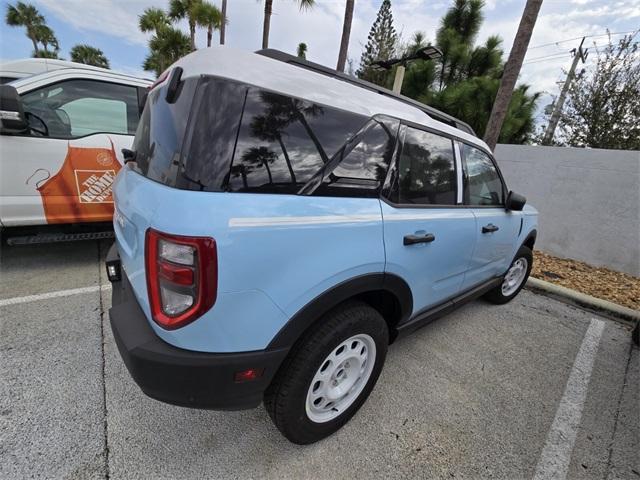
(427, 53)
(397, 81)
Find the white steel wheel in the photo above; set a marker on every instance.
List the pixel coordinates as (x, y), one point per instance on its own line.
(515, 276)
(340, 378)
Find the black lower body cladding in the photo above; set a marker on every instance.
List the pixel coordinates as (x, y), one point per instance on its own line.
(183, 377)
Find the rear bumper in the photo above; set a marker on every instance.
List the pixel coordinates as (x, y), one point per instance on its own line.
(183, 377)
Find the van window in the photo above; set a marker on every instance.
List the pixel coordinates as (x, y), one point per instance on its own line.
(483, 185)
(364, 167)
(284, 141)
(160, 134)
(76, 108)
(426, 170)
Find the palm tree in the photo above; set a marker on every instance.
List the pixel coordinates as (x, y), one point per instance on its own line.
(511, 71)
(268, 8)
(166, 47)
(89, 56)
(47, 38)
(302, 50)
(346, 33)
(153, 20)
(179, 9)
(25, 15)
(207, 15)
(223, 22)
(167, 44)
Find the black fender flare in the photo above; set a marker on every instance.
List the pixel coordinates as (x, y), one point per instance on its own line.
(310, 313)
(531, 238)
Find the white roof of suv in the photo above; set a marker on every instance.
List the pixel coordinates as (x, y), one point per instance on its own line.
(18, 69)
(271, 74)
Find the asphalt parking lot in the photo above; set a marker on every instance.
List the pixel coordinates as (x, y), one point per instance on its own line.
(533, 388)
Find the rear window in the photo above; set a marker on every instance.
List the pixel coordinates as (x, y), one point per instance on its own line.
(160, 132)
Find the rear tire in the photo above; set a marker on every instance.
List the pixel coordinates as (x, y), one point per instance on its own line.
(514, 279)
(329, 373)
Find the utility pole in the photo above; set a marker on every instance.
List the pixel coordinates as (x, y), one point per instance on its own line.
(511, 72)
(578, 54)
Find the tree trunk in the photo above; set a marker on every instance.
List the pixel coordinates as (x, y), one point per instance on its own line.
(511, 72)
(266, 165)
(267, 23)
(346, 33)
(287, 159)
(312, 136)
(192, 34)
(224, 21)
(35, 45)
(209, 35)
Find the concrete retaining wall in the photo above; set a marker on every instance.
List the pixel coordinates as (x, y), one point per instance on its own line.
(589, 201)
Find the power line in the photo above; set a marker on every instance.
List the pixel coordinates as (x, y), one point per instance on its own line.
(554, 56)
(559, 54)
(578, 38)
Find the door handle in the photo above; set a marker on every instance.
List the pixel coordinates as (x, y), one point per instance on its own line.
(490, 228)
(412, 239)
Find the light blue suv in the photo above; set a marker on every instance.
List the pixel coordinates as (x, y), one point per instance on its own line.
(278, 224)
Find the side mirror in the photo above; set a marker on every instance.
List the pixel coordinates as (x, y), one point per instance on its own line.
(515, 201)
(12, 118)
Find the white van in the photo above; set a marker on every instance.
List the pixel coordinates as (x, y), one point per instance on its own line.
(61, 138)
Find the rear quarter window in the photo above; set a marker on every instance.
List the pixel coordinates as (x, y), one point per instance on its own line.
(283, 141)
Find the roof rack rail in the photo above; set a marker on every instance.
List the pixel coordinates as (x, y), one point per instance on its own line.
(316, 67)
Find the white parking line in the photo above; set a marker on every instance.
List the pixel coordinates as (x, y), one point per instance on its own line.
(44, 296)
(556, 455)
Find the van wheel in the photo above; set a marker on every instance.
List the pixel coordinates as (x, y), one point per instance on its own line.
(329, 373)
(514, 279)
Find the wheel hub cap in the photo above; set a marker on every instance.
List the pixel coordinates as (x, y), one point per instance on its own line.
(340, 378)
(515, 276)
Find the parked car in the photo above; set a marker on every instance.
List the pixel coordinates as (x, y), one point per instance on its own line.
(63, 127)
(27, 67)
(279, 224)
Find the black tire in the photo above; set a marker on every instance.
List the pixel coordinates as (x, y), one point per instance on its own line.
(496, 295)
(285, 399)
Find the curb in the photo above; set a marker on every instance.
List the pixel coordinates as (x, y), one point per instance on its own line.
(571, 296)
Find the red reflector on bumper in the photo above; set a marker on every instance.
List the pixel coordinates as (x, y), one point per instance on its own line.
(248, 375)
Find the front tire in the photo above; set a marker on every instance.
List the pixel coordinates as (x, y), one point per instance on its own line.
(329, 373)
(514, 279)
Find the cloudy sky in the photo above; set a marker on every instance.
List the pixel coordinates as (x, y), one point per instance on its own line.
(111, 25)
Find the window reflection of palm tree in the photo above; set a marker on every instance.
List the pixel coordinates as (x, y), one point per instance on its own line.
(281, 112)
(435, 176)
(255, 157)
(269, 127)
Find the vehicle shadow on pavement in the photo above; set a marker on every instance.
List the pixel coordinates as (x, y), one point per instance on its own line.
(33, 269)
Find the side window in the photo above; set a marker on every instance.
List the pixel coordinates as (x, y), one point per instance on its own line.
(363, 168)
(426, 170)
(284, 141)
(76, 108)
(483, 185)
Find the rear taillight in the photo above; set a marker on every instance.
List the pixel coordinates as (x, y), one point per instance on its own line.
(182, 277)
